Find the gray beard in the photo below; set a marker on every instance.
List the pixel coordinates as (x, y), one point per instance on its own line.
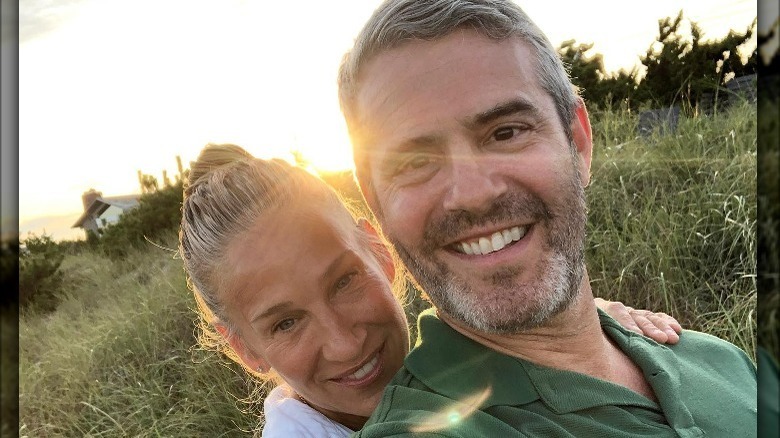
(508, 307)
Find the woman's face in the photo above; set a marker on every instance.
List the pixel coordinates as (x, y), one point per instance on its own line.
(310, 300)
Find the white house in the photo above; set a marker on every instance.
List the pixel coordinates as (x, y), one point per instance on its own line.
(100, 211)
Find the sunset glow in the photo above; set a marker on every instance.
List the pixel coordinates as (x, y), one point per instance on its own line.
(110, 88)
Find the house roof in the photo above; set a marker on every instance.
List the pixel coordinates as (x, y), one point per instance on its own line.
(101, 204)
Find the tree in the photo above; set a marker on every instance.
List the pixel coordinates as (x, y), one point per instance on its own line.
(148, 183)
(587, 71)
(682, 68)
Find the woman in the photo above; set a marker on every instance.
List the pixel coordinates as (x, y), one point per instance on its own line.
(298, 291)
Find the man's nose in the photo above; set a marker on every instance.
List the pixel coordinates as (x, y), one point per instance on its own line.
(475, 183)
(343, 339)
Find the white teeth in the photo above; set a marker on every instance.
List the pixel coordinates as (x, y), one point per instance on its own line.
(496, 242)
(364, 370)
(507, 235)
(484, 245)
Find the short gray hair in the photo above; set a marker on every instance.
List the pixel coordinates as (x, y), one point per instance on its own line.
(396, 22)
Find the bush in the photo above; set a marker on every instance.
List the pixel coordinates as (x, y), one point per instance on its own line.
(39, 275)
(158, 213)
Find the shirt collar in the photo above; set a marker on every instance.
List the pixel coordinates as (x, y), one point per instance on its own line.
(459, 368)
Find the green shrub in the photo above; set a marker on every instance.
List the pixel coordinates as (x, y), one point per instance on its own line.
(158, 213)
(39, 274)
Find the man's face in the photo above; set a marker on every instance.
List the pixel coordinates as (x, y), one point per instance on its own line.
(474, 179)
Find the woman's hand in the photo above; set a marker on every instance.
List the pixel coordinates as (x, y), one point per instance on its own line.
(659, 327)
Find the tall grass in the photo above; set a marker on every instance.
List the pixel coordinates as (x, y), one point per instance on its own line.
(116, 358)
(672, 220)
(672, 228)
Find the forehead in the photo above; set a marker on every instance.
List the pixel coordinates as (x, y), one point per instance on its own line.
(294, 241)
(454, 76)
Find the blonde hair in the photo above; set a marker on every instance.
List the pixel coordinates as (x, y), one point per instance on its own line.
(227, 191)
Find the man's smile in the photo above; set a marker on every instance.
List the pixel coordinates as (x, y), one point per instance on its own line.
(489, 243)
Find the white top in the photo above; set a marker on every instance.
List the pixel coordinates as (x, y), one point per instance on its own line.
(286, 416)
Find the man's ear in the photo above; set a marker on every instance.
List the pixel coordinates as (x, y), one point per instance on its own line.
(378, 248)
(251, 360)
(582, 138)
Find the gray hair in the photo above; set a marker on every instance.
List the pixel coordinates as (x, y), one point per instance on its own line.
(396, 22)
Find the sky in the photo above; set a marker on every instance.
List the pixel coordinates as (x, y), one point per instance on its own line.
(110, 87)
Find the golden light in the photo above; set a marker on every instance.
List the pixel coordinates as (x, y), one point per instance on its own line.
(453, 415)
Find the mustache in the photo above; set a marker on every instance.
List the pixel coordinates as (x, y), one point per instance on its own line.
(508, 207)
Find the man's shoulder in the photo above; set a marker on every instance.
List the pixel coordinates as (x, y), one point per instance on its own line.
(695, 345)
(694, 349)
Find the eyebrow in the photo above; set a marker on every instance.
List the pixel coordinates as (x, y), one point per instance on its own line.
(276, 308)
(336, 263)
(515, 106)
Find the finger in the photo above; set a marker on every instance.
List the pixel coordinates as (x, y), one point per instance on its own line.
(649, 325)
(664, 323)
(620, 313)
(671, 322)
(669, 325)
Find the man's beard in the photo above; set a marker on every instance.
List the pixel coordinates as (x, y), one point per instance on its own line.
(507, 307)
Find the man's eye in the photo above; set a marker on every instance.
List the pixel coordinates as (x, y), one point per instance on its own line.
(416, 162)
(503, 134)
(284, 325)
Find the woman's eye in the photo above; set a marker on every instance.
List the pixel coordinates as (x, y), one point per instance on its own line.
(284, 325)
(345, 281)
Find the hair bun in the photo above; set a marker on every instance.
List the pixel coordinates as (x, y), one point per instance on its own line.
(214, 157)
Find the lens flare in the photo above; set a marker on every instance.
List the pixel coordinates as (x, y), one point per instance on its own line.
(453, 415)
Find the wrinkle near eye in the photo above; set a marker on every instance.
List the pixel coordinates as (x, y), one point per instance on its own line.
(345, 280)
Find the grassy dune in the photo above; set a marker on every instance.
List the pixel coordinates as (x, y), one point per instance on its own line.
(672, 228)
(117, 358)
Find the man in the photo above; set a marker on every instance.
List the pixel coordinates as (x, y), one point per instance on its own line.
(473, 151)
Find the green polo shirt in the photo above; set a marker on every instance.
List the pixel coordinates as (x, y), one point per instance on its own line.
(452, 386)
